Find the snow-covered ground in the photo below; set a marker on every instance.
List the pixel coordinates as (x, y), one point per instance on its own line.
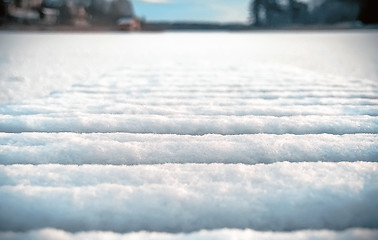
(189, 135)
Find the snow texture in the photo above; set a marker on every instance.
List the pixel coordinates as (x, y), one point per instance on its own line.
(190, 197)
(130, 149)
(189, 135)
(222, 234)
(189, 124)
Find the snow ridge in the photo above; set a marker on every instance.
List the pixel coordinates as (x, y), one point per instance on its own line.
(131, 149)
(205, 196)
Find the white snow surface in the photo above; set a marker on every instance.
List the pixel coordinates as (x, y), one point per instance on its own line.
(131, 149)
(222, 234)
(189, 124)
(190, 197)
(189, 135)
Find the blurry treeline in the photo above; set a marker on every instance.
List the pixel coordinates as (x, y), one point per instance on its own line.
(66, 12)
(267, 13)
(120, 13)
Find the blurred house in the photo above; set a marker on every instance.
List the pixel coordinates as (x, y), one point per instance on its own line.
(23, 11)
(129, 24)
(80, 13)
(27, 3)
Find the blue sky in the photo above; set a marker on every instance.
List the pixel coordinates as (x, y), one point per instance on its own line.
(192, 10)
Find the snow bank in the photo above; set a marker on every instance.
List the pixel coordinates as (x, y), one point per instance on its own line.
(129, 149)
(226, 234)
(190, 197)
(188, 124)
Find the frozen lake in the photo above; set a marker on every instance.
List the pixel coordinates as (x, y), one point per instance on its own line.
(189, 135)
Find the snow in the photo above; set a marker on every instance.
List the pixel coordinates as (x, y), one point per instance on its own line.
(47, 62)
(188, 124)
(189, 197)
(189, 135)
(130, 149)
(226, 234)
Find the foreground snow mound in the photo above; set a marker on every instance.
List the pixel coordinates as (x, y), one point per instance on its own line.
(190, 197)
(222, 234)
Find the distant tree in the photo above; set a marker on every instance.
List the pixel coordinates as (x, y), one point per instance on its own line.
(260, 12)
(108, 12)
(95, 8)
(53, 3)
(3, 10)
(18, 3)
(121, 9)
(300, 13)
(65, 14)
(277, 12)
(283, 12)
(335, 11)
(369, 12)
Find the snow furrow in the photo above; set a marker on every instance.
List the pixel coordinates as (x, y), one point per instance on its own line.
(231, 95)
(67, 101)
(131, 149)
(202, 110)
(169, 85)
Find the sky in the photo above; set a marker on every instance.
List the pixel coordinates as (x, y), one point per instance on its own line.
(193, 10)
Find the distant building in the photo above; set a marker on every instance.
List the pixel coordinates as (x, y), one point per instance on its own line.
(27, 3)
(129, 24)
(23, 11)
(80, 13)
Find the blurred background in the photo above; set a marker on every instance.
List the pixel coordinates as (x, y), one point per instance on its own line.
(147, 15)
